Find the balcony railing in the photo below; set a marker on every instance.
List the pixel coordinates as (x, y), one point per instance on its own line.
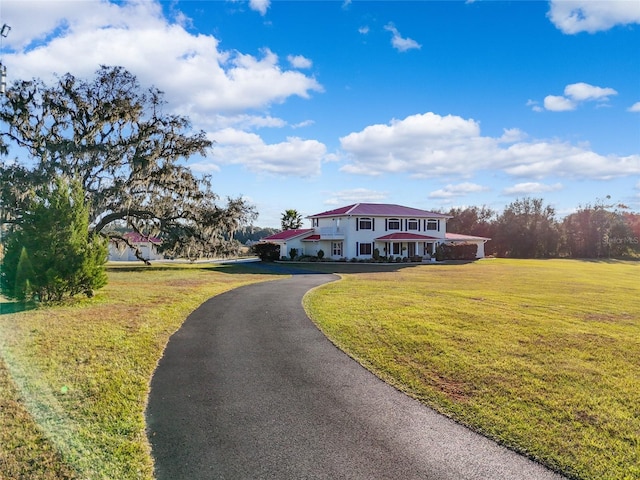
(330, 233)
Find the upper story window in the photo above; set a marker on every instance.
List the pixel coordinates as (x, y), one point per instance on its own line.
(365, 224)
(315, 222)
(433, 224)
(393, 224)
(412, 224)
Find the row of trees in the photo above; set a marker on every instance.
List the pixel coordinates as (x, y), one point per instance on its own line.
(527, 228)
(112, 142)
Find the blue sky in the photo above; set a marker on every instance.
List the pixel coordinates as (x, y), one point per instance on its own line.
(315, 105)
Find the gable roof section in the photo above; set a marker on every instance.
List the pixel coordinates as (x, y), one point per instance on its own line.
(379, 210)
(287, 235)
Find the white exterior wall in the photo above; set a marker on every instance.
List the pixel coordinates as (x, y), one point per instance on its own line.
(285, 247)
(147, 250)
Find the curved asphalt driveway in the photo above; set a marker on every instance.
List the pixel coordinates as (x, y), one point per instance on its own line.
(248, 388)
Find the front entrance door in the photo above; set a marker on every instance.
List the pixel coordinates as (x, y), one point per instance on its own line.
(411, 249)
(336, 249)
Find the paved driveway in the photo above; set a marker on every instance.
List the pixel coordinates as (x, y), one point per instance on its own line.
(248, 388)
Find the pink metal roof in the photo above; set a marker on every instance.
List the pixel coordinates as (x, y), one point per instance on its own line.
(459, 237)
(135, 237)
(288, 234)
(406, 236)
(380, 210)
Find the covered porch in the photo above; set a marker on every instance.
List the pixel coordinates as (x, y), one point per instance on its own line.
(407, 245)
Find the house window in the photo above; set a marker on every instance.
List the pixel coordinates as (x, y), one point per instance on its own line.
(315, 222)
(336, 249)
(412, 224)
(365, 249)
(393, 224)
(365, 224)
(432, 224)
(395, 249)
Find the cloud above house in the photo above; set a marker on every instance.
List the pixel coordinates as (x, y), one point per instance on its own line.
(430, 145)
(355, 195)
(458, 190)
(399, 42)
(575, 16)
(295, 156)
(531, 188)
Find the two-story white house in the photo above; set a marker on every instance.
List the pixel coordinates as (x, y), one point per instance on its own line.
(356, 231)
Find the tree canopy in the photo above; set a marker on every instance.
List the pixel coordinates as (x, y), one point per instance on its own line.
(129, 155)
(291, 220)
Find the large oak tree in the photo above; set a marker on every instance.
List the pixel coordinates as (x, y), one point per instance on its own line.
(129, 154)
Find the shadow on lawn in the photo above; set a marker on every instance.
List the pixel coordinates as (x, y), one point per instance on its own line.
(15, 307)
(278, 268)
(309, 268)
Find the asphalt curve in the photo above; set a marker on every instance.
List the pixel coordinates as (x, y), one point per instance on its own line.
(249, 388)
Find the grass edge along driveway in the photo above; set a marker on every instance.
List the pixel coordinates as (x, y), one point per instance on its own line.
(74, 378)
(541, 355)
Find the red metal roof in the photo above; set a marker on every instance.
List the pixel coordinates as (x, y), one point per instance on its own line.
(379, 209)
(287, 234)
(406, 236)
(311, 238)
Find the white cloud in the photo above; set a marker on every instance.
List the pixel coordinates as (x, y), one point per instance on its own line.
(430, 145)
(399, 43)
(574, 16)
(293, 157)
(531, 188)
(534, 105)
(298, 61)
(260, 6)
(557, 103)
(199, 79)
(459, 190)
(574, 95)
(584, 92)
(635, 107)
(304, 123)
(363, 30)
(355, 195)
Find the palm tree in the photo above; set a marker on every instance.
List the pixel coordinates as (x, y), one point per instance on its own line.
(291, 220)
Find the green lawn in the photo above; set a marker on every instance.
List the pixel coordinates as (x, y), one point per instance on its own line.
(542, 355)
(74, 379)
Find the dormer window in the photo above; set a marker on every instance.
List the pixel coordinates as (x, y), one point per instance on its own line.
(412, 224)
(393, 224)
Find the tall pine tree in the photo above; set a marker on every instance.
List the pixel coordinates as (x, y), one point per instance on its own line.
(51, 254)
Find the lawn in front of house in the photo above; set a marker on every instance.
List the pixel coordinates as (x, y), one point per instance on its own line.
(74, 378)
(541, 355)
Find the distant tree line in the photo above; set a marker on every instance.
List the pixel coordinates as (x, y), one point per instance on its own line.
(527, 228)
